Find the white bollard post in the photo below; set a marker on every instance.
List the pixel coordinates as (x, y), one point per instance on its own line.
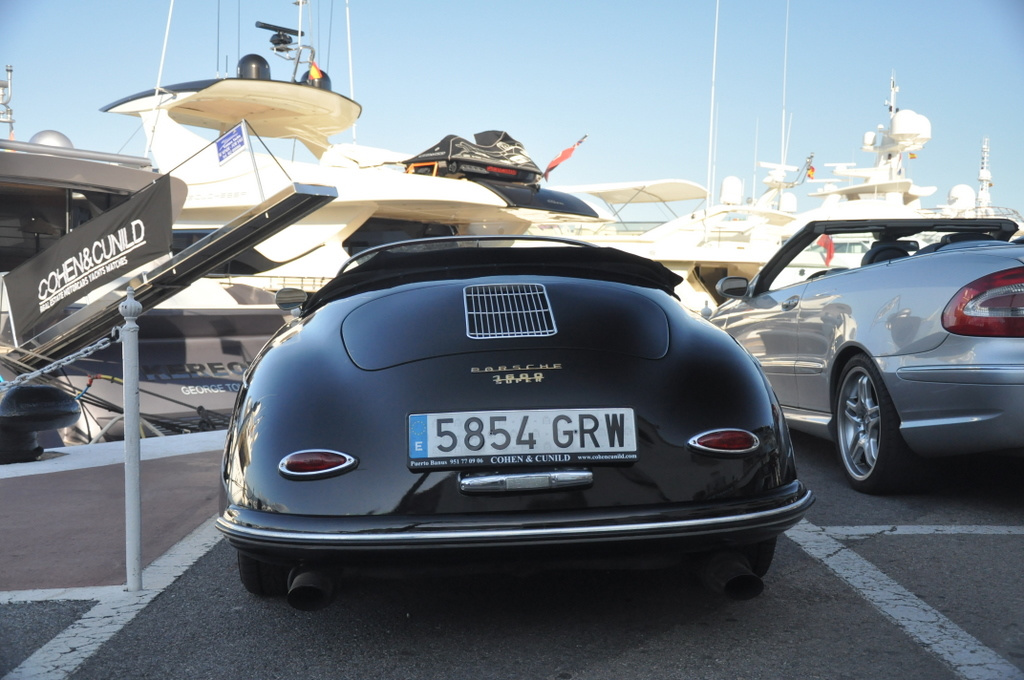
(131, 309)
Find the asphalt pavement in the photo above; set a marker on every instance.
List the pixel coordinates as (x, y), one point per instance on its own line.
(924, 586)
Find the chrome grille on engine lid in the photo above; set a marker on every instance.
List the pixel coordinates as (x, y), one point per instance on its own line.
(515, 310)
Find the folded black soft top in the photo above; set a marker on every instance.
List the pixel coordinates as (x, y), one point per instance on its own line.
(391, 268)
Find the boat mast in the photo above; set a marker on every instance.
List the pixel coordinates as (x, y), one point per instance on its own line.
(159, 79)
(6, 114)
(777, 176)
(711, 116)
(351, 78)
(893, 162)
(785, 67)
(984, 199)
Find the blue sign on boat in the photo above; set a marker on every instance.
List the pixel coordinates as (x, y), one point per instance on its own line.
(231, 143)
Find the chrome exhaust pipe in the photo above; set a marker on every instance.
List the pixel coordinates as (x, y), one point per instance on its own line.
(728, 573)
(310, 589)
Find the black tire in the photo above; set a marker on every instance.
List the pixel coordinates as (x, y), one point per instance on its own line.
(761, 555)
(875, 458)
(262, 578)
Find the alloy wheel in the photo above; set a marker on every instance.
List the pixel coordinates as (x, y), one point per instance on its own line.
(860, 423)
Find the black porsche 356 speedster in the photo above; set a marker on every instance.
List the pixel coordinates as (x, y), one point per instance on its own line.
(495, 402)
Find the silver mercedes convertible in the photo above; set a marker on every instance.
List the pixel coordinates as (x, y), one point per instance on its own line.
(899, 340)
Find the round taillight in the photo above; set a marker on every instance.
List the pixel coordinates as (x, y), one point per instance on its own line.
(316, 464)
(729, 442)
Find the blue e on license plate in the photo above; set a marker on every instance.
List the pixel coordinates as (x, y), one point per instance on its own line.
(522, 437)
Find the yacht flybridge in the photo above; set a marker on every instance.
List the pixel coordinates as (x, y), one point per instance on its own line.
(457, 186)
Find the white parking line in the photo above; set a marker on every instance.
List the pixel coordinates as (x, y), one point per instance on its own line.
(56, 594)
(966, 656)
(922, 530)
(115, 608)
(969, 658)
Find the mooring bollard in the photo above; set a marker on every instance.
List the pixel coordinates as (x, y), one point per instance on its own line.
(130, 309)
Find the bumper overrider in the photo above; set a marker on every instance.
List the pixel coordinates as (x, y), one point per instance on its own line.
(680, 528)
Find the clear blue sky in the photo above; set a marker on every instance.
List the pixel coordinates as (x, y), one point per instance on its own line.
(635, 77)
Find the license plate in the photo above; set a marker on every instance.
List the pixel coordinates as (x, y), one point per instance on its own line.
(530, 437)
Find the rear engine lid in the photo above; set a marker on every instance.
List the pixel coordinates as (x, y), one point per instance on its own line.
(435, 320)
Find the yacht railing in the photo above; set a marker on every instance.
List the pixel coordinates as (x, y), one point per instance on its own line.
(310, 284)
(114, 158)
(978, 212)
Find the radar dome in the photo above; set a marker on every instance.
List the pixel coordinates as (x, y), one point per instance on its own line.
(787, 203)
(731, 192)
(253, 67)
(961, 197)
(52, 138)
(321, 83)
(908, 125)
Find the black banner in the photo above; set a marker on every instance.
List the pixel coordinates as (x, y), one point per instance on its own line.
(95, 253)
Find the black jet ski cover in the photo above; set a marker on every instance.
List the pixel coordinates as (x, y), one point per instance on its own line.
(495, 156)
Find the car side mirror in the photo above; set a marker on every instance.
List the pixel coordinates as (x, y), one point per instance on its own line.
(290, 298)
(732, 286)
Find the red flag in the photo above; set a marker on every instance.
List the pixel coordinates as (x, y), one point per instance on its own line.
(314, 71)
(562, 157)
(810, 172)
(825, 241)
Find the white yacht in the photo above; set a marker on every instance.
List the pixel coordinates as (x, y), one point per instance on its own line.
(732, 237)
(885, 189)
(737, 236)
(245, 223)
(455, 186)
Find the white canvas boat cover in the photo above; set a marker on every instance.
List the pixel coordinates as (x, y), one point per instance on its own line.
(657, 191)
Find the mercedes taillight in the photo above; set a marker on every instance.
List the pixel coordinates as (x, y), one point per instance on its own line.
(992, 306)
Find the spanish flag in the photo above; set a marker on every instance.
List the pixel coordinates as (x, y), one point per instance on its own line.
(913, 155)
(314, 71)
(810, 172)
